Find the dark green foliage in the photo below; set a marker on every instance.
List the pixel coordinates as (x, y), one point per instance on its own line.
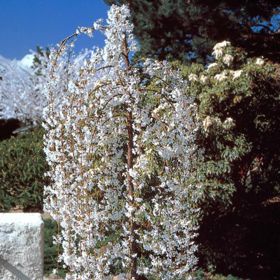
(178, 28)
(39, 61)
(245, 157)
(51, 251)
(202, 275)
(22, 168)
(244, 243)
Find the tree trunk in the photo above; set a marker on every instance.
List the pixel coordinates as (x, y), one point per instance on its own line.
(130, 188)
(132, 243)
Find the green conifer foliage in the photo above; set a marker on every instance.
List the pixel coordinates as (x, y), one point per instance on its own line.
(188, 29)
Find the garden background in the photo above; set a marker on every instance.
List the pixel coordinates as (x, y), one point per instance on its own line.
(236, 90)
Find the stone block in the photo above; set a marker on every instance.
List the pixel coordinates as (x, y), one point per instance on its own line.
(21, 246)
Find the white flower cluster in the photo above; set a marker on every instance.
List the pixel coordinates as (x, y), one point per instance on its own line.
(119, 146)
(211, 122)
(221, 69)
(219, 52)
(219, 49)
(260, 61)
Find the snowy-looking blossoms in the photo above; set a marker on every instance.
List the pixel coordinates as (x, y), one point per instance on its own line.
(120, 146)
(19, 95)
(23, 93)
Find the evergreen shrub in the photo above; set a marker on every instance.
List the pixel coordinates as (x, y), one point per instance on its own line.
(22, 168)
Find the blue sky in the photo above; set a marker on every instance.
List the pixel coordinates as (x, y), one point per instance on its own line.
(25, 24)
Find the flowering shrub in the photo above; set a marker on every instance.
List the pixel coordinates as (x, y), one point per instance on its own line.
(238, 169)
(120, 147)
(232, 95)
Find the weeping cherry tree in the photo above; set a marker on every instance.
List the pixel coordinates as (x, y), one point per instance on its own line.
(120, 145)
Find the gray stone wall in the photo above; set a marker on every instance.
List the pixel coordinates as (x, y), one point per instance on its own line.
(21, 246)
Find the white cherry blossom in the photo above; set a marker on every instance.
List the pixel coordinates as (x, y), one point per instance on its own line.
(119, 143)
